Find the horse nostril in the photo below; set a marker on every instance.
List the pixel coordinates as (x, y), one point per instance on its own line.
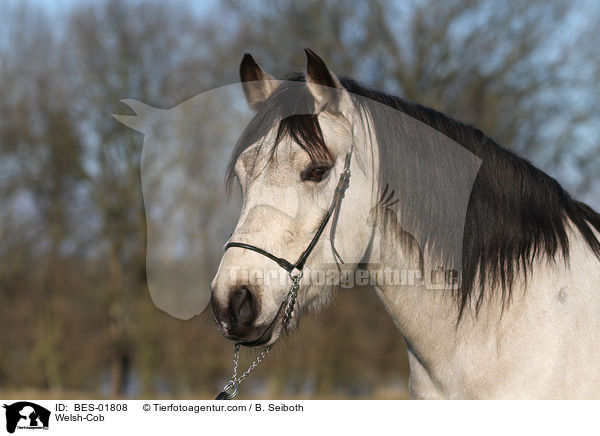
(237, 316)
(242, 306)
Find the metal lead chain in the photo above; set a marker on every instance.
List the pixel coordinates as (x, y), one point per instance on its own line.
(231, 388)
(236, 358)
(291, 299)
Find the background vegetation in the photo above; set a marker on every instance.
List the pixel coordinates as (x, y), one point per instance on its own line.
(76, 319)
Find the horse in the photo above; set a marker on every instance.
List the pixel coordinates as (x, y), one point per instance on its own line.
(516, 315)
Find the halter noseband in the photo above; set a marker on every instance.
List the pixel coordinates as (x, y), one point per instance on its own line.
(295, 269)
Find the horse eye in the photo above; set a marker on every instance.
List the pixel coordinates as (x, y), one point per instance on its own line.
(316, 174)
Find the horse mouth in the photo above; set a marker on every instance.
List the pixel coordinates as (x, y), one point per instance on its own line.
(271, 333)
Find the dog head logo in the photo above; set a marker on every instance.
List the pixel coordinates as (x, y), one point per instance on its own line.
(24, 414)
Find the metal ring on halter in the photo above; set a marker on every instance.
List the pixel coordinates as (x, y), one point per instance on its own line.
(231, 389)
(296, 274)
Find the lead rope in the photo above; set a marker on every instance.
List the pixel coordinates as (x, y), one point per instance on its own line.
(230, 390)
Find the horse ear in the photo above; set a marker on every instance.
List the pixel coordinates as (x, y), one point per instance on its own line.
(325, 86)
(258, 85)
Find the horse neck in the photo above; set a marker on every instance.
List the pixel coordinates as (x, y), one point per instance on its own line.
(423, 315)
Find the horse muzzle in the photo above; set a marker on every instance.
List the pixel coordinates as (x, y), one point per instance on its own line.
(237, 318)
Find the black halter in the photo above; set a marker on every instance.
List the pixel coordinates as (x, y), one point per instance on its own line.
(296, 268)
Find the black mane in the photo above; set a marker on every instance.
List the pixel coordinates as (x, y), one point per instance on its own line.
(516, 212)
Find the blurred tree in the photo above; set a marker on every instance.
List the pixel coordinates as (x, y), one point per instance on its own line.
(42, 142)
(120, 50)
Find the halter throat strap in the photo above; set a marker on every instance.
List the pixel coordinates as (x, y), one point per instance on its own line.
(340, 190)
